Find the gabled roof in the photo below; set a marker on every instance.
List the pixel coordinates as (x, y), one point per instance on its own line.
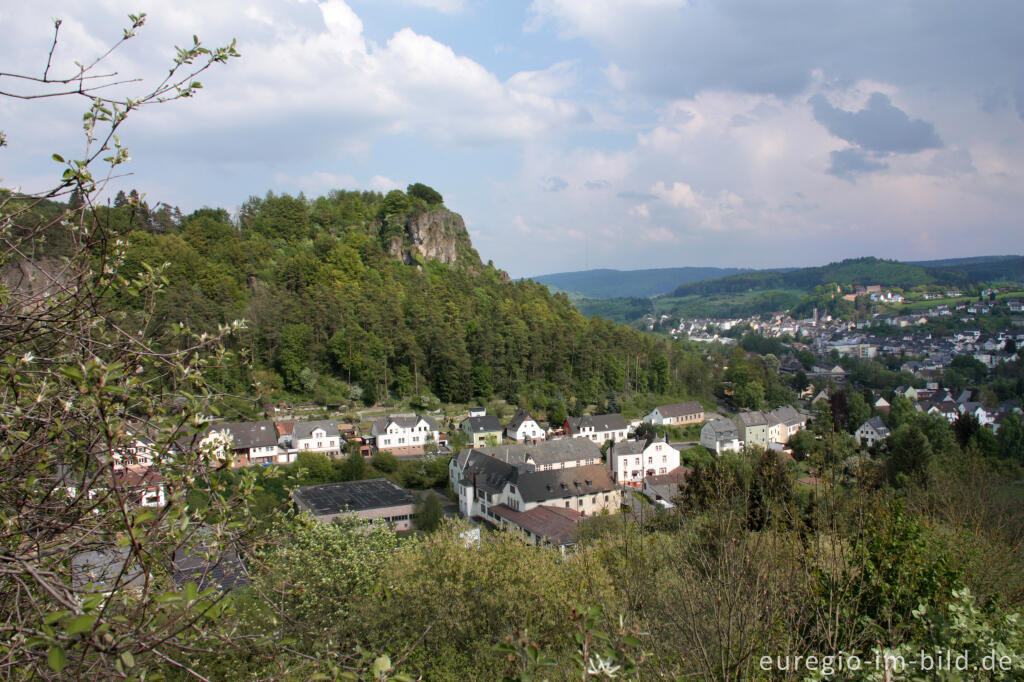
(486, 424)
(245, 435)
(554, 524)
(518, 418)
(680, 409)
(545, 452)
(877, 425)
(723, 429)
(537, 486)
(404, 421)
(606, 422)
(305, 429)
(753, 418)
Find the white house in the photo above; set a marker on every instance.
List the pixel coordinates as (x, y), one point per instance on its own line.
(598, 428)
(720, 435)
(317, 436)
(633, 460)
(872, 431)
(783, 422)
(523, 427)
(404, 434)
(566, 474)
(244, 443)
(677, 414)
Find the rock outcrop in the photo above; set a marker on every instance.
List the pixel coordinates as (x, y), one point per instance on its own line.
(437, 235)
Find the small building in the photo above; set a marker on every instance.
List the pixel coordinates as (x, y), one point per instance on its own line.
(598, 428)
(373, 499)
(720, 435)
(541, 525)
(317, 436)
(753, 428)
(483, 430)
(872, 431)
(666, 487)
(676, 414)
(523, 427)
(477, 412)
(244, 443)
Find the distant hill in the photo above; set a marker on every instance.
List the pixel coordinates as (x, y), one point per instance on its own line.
(607, 283)
(954, 272)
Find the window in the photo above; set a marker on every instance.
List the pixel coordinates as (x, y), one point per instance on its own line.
(319, 444)
(567, 504)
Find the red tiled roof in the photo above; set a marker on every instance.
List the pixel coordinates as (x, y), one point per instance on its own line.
(553, 523)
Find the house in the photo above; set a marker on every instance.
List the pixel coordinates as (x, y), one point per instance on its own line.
(677, 414)
(882, 405)
(566, 474)
(599, 428)
(404, 434)
(142, 487)
(872, 431)
(753, 428)
(541, 525)
(523, 427)
(720, 435)
(978, 411)
(631, 461)
(483, 430)
(244, 443)
(316, 436)
(477, 412)
(666, 486)
(783, 422)
(374, 499)
(139, 452)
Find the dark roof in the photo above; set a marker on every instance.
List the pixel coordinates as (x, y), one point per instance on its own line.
(107, 569)
(333, 498)
(518, 418)
(537, 486)
(723, 428)
(405, 421)
(304, 430)
(680, 409)
(599, 422)
(486, 424)
(245, 435)
(878, 425)
(751, 419)
(485, 472)
(552, 523)
(545, 452)
(226, 572)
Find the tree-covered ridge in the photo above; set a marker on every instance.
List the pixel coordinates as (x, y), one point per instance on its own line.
(335, 316)
(607, 283)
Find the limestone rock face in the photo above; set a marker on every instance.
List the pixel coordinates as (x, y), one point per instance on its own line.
(432, 235)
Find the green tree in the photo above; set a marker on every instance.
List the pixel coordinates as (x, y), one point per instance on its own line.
(353, 467)
(910, 453)
(429, 512)
(428, 194)
(1011, 438)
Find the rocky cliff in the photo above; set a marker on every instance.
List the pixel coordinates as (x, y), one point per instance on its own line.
(438, 235)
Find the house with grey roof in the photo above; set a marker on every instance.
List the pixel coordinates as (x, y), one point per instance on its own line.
(667, 486)
(676, 414)
(872, 431)
(563, 473)
(523, 427)
(753, 428)
(244, 443)
(542, 525)
(482, 430)
(317, 436)
(633, 460)
(720, 435)
(783, 422)
(404, 434)
(598, 428)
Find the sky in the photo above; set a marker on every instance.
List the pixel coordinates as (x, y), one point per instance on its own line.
(573, 134)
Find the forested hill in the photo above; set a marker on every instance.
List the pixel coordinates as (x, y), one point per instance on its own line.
(358, 295)
(606, 283)
(864, 271)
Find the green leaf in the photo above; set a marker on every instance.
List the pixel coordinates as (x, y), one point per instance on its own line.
(127, 659)
(80, 624)
(380, 666)
(56, 658)
(58, 158)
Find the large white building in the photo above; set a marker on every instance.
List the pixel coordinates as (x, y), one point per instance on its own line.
(404, 434)
(631, 461)
(566, 474)
(524, 427)
(317, 436)
(598, 428)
